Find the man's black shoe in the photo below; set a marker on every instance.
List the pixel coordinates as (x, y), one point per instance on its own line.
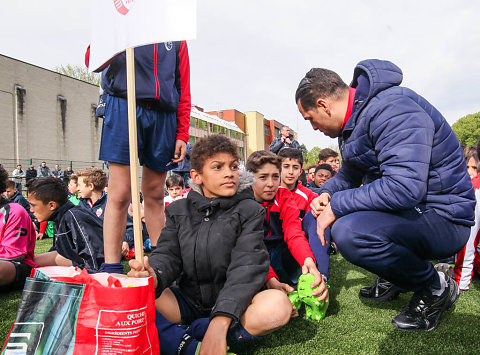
(424, 310)
(382, 290)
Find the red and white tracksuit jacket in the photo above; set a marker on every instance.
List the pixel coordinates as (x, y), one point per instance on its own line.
(303, 197)
(468, 259)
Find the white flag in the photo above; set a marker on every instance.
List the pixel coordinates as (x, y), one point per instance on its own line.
(121, 24)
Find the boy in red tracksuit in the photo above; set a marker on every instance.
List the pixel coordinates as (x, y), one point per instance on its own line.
(467, 260)
(292, 162)
(290, 253)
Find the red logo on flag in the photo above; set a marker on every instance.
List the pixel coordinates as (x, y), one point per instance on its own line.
(123, 6)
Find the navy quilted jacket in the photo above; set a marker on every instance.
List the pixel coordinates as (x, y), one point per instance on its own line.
(398, 152)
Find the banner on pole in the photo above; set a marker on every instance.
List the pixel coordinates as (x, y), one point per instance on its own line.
(121, 24)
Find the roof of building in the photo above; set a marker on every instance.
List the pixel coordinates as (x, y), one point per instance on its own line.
(214, 119)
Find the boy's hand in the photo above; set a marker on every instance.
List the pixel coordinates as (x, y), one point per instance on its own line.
(125, 249)
(39, 236)
(273, 283)
(309, 267)
(180, 151)
(318, 204)
(215, 339)
(138, 270)
(325, 219)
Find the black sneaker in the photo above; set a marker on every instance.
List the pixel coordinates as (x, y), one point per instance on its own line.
(382, 290)
(424, 310)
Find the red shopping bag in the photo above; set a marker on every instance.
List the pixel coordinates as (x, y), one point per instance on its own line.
(63, 310)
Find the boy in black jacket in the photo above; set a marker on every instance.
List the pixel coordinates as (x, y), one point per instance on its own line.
(213, 242)
(78, 232)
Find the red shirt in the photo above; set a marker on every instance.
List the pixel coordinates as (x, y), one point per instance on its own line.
(282, 222)
(476, 181)
(351, 96)
(303, 198)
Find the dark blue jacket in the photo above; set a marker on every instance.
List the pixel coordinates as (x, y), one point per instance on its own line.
(162, 79)
(78, 236)
(401, 149)
(98, 209)
(155, 67)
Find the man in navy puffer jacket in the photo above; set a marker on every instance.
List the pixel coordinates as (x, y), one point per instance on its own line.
(403, 195)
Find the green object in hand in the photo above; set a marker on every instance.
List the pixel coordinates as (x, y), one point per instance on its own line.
(314, 309)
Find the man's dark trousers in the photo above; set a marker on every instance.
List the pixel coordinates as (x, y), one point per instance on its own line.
(397, 245)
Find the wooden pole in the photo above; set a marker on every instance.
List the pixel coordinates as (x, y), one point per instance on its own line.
(132, 138)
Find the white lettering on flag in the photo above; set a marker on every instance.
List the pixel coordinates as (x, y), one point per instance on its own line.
(121, 24)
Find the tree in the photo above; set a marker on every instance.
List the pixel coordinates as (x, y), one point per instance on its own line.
(312, 157)
(467, 129)
(304, 151)
(79, 72)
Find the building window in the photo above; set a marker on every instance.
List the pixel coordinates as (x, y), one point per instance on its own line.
(277, 132)
(192, 121)
(202, 124)
(20, 92)
(63, 110)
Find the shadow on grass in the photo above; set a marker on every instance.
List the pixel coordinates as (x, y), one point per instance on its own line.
(456, 334)
(297, 331)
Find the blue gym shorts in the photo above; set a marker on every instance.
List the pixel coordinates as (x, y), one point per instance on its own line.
(156, 132)
(190, 312)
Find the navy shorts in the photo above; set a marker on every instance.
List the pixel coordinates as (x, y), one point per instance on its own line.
(156, 133)
(190, 312)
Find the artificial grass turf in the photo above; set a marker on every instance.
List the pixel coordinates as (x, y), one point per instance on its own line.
(351, 326)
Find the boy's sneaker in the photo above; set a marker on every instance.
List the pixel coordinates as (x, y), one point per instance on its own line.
(382, 290)
(425, 309)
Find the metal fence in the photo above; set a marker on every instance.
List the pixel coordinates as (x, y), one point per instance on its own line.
(11, 164)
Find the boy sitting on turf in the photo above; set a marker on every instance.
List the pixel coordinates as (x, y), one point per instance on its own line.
(73, 190)
(17, 241)
(212, 242)
(290, 253)
(16, 196)
(292, 161)
(175, 187)
(91, 186)
(291, 169)
(78, 232)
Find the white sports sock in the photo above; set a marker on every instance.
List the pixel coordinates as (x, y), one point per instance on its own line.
(443, 285)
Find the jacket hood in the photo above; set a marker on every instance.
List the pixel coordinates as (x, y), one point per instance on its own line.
(370, 77)
(209, 205)
(373, 75)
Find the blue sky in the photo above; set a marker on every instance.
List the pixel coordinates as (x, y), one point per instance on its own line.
(250, 55)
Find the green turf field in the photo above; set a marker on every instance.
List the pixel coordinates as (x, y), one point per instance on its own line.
(351, 326)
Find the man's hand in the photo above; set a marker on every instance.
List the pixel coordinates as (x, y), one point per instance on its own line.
(180, 151)
(325, 219)
(138, 270)
(288, 141)
(39, 236)
(318, 204)
(125, 249)
(310, 268)
(215, 339)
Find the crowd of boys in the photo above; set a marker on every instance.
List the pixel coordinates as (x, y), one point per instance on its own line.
(227, 251)
(261, 210)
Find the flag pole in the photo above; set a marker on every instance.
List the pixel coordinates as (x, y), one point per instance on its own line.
(132, 139)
